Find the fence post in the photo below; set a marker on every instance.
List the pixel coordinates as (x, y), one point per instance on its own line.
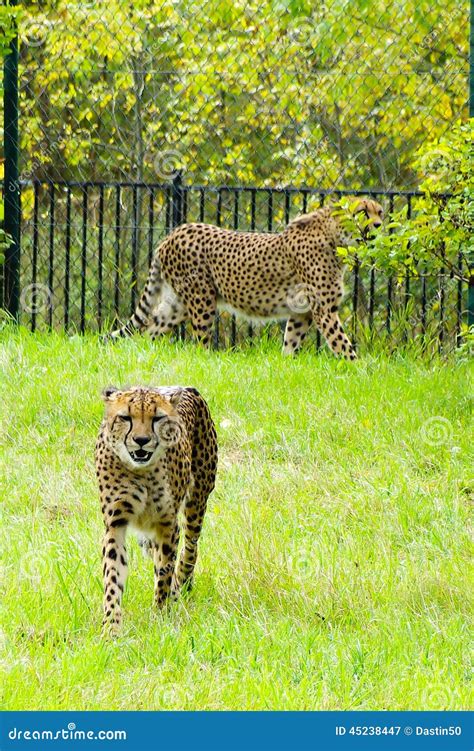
(11, 184)
(470, 293)
(177, 216)
(177, 200)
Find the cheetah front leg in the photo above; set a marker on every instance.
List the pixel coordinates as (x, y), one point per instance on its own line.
(328, 322)
(194, 512)
(295, 332)
(114, 557)
(164, 558)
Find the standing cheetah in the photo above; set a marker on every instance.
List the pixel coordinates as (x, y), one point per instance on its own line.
(156, 454)
(294, 274)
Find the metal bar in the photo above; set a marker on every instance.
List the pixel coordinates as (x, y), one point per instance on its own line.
(169, 209)
(442, 292)
(202, 198)
(217, 318)
(134, 259)
(151, 224)
(318, 333)
(470, 300)
(371, 297)
(470, 289)
(471, 61)
(233, 321)
(82, 324)
(117, 252)
(184, 218)
(219, 208)
(355, 300)
(177, 200)
(236, 210)
(442, 298)
(100, 259)
(11, 271)
(459, 302)
(253, 212)
(388, 320)
(389, 284)
(34, 260)
(253, 209)
(407, 277)
(270, 211)
(287, 206)
(305, 202)
(423, 303)
(184, 207)
(241, 188)
(67, 260)
(51, 253)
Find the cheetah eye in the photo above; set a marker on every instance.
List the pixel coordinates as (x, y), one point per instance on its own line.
(158, 418)
(124, 418)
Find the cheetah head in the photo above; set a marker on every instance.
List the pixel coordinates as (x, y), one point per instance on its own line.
(141, 423)
(372, 211)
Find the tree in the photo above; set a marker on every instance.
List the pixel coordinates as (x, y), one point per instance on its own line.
(236, 91)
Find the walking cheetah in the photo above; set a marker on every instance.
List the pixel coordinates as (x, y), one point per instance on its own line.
(294, 274)
(156, 454)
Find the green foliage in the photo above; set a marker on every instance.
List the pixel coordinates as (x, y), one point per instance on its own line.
(8, 18)
(439, 236)
(240, 92)
(5, 240)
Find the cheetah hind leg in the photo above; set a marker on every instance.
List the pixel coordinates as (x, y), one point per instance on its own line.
(169, 313)
(194, 511)
(202, 314)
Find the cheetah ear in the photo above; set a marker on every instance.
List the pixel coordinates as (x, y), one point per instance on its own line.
(302, 221)
(109, 392)
(360, 206)
(176, 396)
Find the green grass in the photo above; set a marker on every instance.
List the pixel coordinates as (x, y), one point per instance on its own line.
(333, 566)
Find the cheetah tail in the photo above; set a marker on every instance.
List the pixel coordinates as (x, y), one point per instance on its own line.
(140, 319)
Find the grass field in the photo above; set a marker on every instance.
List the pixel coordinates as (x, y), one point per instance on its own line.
(333, 569)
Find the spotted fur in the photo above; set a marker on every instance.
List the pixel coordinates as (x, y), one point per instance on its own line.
(156, 455)
(294, 275)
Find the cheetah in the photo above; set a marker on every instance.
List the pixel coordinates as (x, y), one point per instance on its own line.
(156, 455)
(294, 275)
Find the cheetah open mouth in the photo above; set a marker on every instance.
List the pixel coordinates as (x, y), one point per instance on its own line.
(140, 456)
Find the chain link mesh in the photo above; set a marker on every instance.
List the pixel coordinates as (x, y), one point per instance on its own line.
(236, 91)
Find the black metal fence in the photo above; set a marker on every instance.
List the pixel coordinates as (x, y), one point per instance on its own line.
(86, 248)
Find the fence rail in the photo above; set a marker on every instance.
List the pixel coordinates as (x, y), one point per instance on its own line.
(86, 249)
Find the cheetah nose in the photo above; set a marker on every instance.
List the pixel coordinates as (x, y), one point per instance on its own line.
(142, 440)
(377, 224)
